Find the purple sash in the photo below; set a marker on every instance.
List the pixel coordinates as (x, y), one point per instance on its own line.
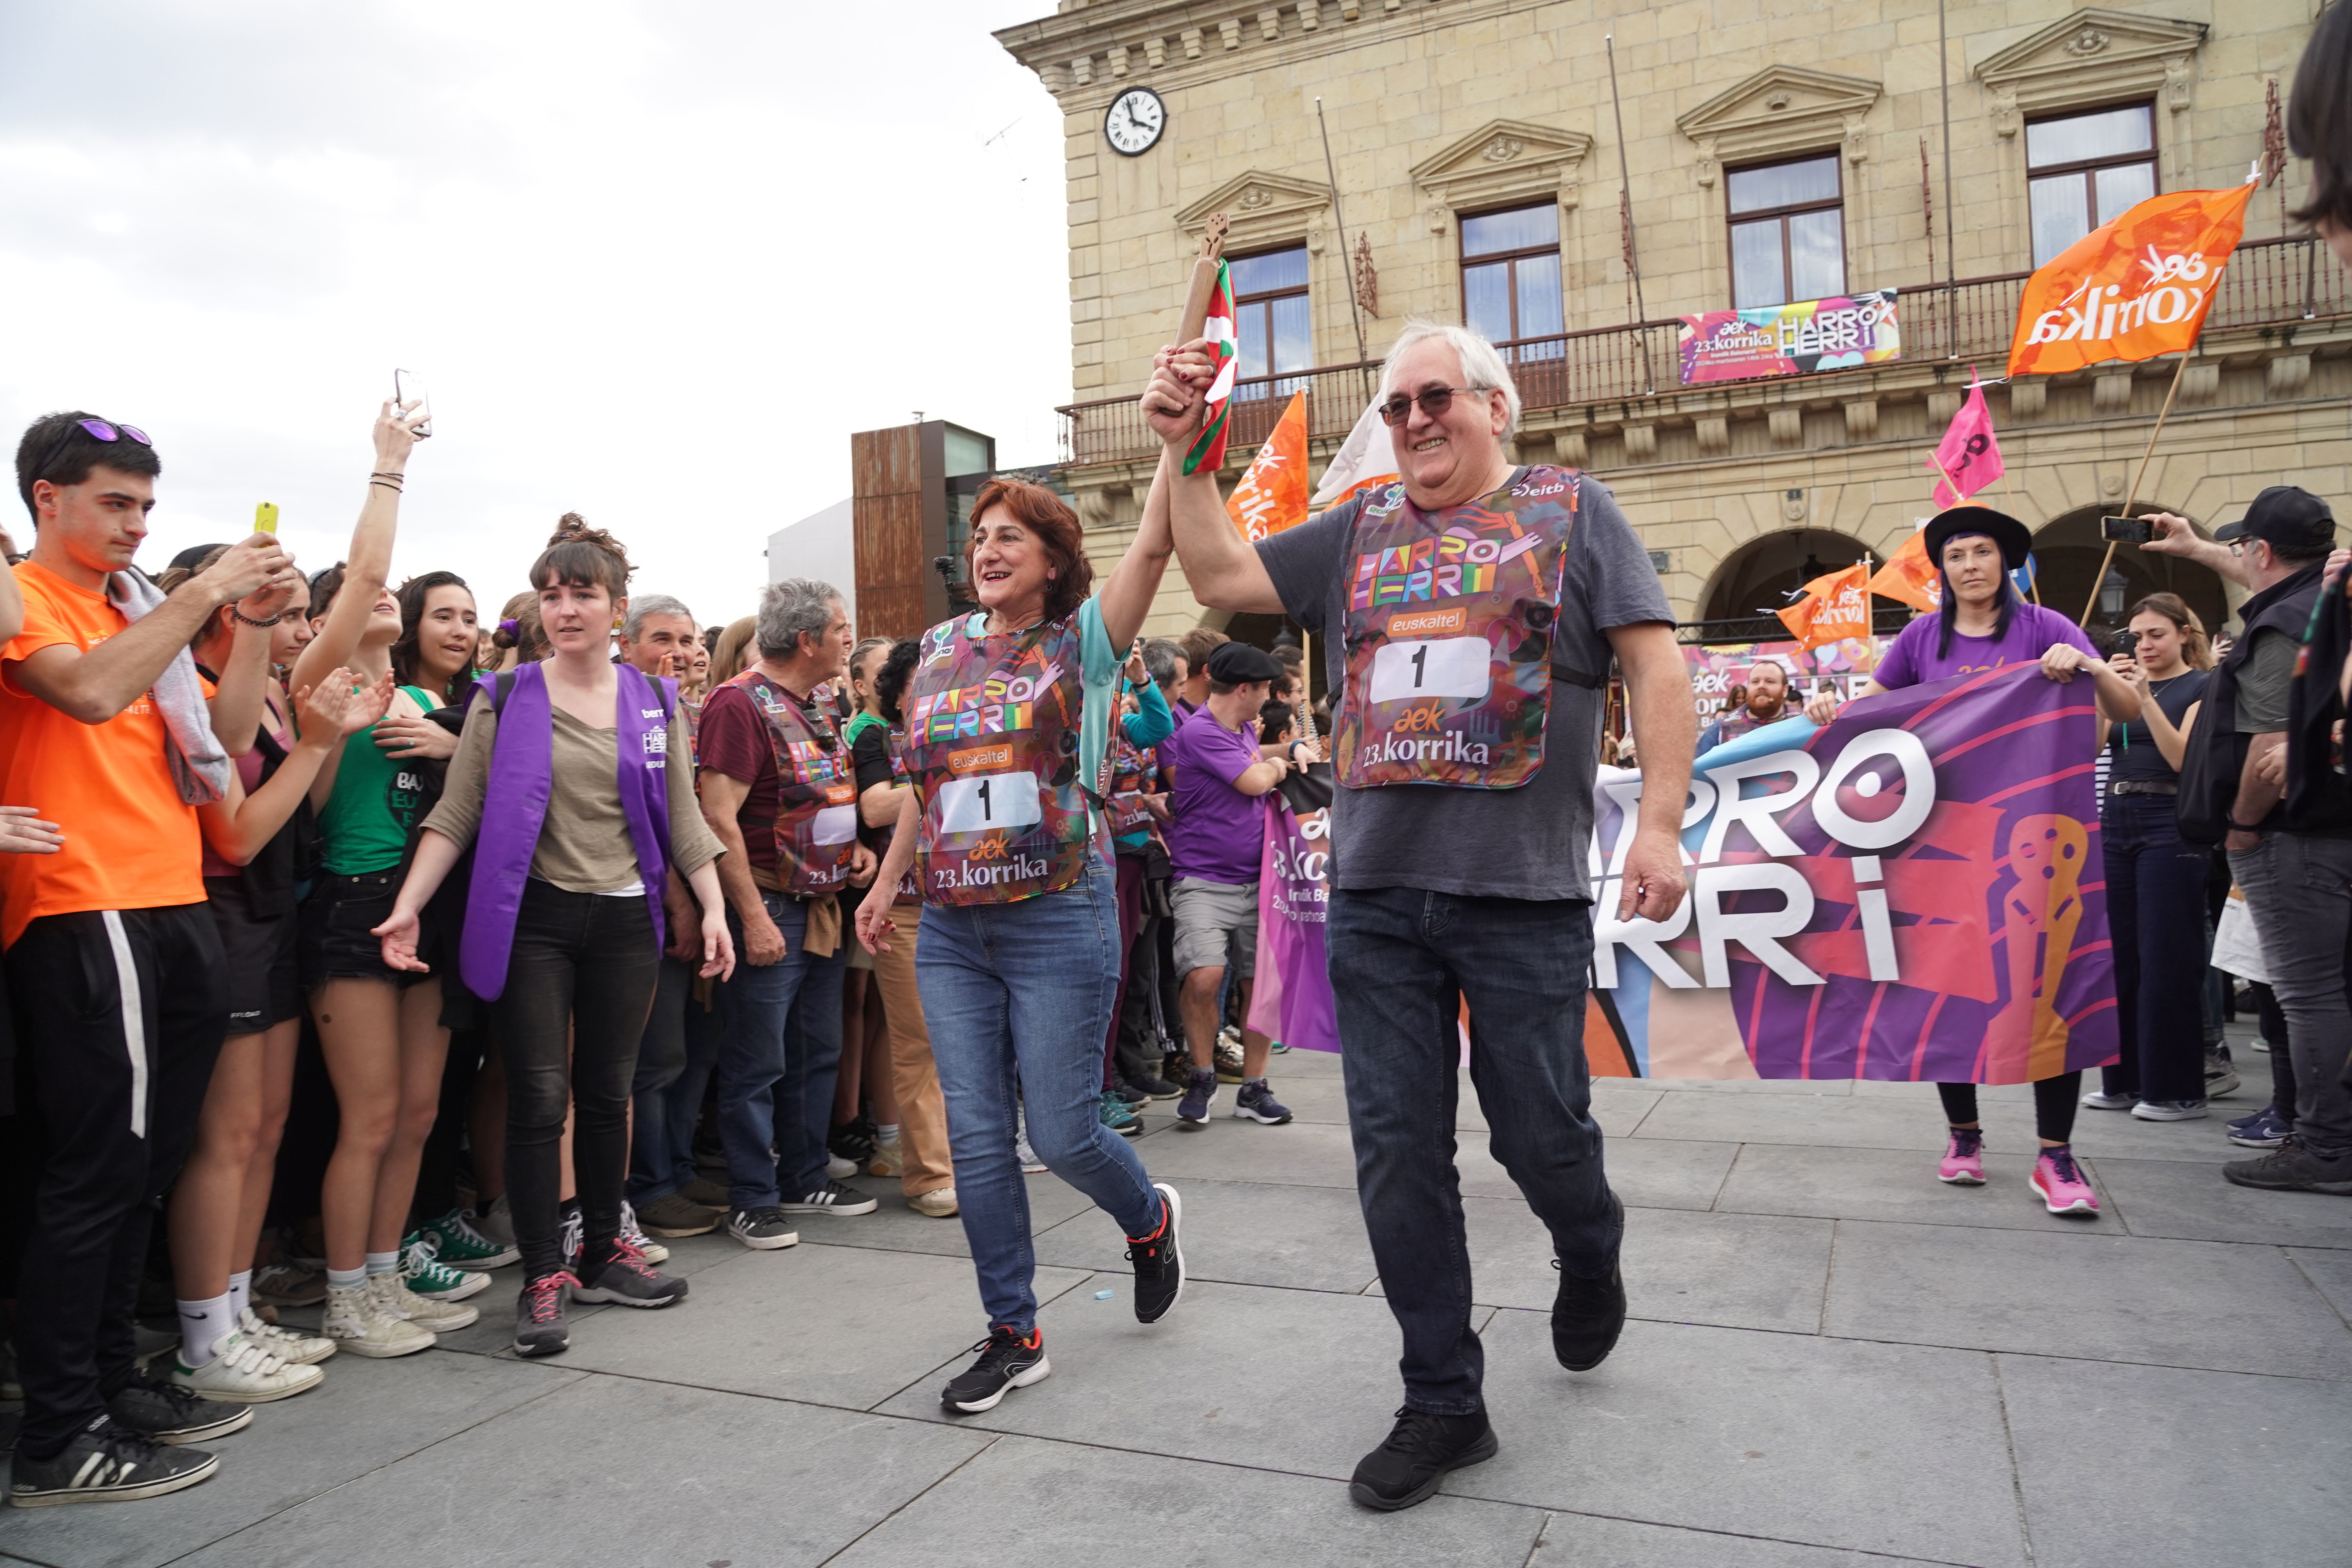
(515, 806)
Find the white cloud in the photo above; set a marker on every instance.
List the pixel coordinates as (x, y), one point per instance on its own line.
(655, 261)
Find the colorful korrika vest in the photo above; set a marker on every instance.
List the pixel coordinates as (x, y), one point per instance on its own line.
(992, 729)
(1134, 773)
(816, 787)
(910, 886)
(1449, 637)
(514, 807)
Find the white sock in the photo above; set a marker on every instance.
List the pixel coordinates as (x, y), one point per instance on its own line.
(346, 1278)
(202, 1325)
(383, 1263)
(240, 1295)
(886, 1132)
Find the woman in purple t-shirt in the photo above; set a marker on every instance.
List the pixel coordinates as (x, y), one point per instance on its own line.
(1982, 624)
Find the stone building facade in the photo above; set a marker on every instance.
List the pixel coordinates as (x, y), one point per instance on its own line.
(1463, 130)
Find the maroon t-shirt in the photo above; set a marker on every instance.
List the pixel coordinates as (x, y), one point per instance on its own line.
(734, 741)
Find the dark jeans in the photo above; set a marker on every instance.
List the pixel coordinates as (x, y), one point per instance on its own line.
(1401, 960)
(119, 1016)
(2054, 1101)
(674, 1066)
(583, 962)
(778, 1060)
(2155, 915)
(1130, 919)
(2299, 888)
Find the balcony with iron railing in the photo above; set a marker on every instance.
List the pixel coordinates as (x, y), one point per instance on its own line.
(2269, 283)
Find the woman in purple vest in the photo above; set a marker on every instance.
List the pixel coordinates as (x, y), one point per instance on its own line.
(1008, 717)
(1981, 626)
(561, 784)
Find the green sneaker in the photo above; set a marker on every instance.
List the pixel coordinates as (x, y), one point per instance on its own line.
(461, 1245)
(1115, 1115)
(423, 1272)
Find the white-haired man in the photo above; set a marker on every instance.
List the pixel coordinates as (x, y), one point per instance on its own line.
(1768, 703)
(1470, 612)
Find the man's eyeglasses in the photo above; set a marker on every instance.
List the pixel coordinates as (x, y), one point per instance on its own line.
(1433, 403)
(97, 429)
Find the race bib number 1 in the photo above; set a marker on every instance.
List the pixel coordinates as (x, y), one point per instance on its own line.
(983, 803)
(1448, 667)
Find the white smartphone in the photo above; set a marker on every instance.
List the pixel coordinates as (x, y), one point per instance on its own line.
(408, 387)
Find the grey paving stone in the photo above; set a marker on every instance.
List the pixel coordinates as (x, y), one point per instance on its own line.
(1888, 1448)
(2330, 1273)
(1739, 1271)
(1889, 1185)
(564, 1481)
(1281, 1379)
(1925, 1093)
(834, 1325)
(1830, 1086)
(2108, 1298)
(1583, 1540)
(1305, 1238)
(2102, 1135)
(1015, 1507)
(895, 1228)
(2165, 1468)
(2170, 1197)
(366, 1415)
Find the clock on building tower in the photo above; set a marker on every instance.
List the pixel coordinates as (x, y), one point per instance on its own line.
(1134, 120)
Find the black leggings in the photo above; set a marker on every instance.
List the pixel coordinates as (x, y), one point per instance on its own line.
(584, 964)
(2054, 1099)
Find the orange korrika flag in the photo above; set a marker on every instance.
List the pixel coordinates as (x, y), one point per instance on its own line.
(1909, 575)
(1272, 495)
(1836, 605)
(2130, 289)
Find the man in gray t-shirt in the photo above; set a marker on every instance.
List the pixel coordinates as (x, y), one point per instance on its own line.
(1469, 615)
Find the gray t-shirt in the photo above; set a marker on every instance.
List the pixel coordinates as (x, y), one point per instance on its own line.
(1524, 843)
(2264, 680)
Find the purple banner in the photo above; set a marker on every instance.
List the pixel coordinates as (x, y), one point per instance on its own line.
(1292, 1001)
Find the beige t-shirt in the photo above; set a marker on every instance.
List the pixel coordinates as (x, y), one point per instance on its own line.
(584, 843)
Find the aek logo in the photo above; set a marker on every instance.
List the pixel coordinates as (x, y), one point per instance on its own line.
(2172, 292)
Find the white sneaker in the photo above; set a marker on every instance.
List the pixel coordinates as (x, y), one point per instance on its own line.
(2100, 1099)
(839, 1169)
(289, 1345)
(392, 1294)
(495, 1223)
(242, 1372)
(357, 1322)
(890, 1158)
(940, 1204)
(634, 1234)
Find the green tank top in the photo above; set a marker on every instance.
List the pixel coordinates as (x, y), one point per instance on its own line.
(376, 800)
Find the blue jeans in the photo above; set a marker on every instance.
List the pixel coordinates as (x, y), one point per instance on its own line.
(661, 1157)
(2155, 915)
(1017, 997)
(779, 1053)
(1400, 962)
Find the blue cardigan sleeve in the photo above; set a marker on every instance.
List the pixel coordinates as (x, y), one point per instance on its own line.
(1154, 725)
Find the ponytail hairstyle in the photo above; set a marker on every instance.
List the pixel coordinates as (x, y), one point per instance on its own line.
(2196, 646)
(1950, 605)
(890, 680)
(857, 656)
(412, 595)
(518, 629)
(174, 576)
(580, 556)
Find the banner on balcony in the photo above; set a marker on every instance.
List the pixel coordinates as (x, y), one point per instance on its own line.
(1912, 893)
(1796, 339)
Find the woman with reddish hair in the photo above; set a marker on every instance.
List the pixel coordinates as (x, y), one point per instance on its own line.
(1008, 717)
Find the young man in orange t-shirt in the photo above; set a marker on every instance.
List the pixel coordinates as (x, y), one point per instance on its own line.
(113, 962)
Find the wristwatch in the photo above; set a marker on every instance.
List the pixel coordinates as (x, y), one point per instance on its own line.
(2237, 827)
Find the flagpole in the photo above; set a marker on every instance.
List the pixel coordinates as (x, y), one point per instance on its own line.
(1625, 217)
(1347, 264)
(1305, 704)
(2132, 499)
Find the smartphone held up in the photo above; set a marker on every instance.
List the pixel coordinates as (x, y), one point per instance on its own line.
(2126, 530)
(408, 395)
(265, 518)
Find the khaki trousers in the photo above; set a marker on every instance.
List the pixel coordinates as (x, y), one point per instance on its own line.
(922, 1110)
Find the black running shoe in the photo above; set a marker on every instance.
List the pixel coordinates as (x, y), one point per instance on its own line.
(163, 1412)
(1421, 1449)
(1005, 1362)
(627, 1280)
(1588, 1315)
(105, 1462)
(831, 1198)
(1158, 1261)
(540, 1328)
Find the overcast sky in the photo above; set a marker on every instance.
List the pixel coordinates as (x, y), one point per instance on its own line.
(654, 261)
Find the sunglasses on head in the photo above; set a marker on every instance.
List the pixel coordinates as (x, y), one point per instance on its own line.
(97, 429)
(1433, 403)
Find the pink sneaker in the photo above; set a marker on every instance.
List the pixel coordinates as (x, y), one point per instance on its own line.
(2062, 1184)
(1963, 1164)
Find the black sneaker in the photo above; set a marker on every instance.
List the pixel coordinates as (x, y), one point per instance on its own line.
(626, 1280)
(540, 1328)
(1154, 1088)
(831, 1198)
(1421, 1449)
(2292, 1168)
(163, 1412)
(1588, 1315)
(1158, 1261)
(763, 1229)
(107, 1463)
(1005, 1362)
(1127, 1094)
(851, 1140)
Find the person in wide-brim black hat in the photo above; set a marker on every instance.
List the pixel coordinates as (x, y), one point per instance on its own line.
(2016, 540)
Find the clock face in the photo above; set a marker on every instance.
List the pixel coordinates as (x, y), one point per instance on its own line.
(1135, 119)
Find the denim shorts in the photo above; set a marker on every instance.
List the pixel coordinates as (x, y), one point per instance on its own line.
(336, 923)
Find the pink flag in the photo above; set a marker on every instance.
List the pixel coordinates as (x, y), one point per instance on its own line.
(1968, 457)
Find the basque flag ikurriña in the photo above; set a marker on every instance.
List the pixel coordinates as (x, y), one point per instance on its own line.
(1209, 447)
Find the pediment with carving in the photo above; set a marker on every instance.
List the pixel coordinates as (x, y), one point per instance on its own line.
(2094, 56)
(1261, 208)
(1781, 110)
(1503, 160)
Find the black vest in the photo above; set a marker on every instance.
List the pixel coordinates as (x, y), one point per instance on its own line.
(2216, 757)
(2318, 797)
